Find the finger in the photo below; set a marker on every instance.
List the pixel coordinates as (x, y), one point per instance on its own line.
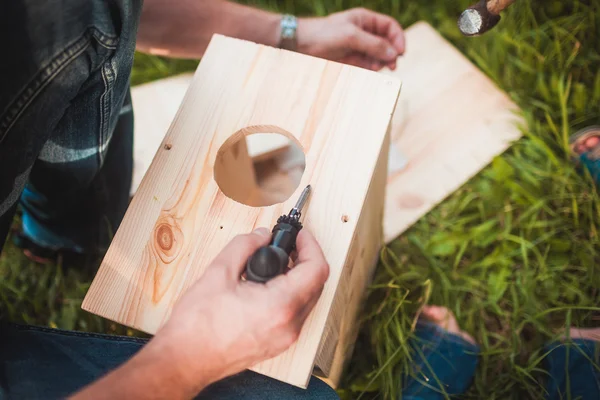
(372, 45)
(308, 248)
(375, 65)
(382, 25)
(234, 255)
(358, 60)
(305, 281)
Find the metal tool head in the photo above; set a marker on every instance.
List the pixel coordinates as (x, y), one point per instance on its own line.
(297, 210)
(477, 19)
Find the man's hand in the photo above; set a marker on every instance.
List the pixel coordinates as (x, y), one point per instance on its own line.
(184, 28)
(222, 325)
(228, 325)
(358, 37)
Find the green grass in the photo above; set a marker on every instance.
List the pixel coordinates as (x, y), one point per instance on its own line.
(513, 252)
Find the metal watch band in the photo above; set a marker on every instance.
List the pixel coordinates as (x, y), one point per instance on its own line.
(289, 26)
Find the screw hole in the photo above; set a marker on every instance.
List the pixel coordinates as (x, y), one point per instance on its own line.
(344, 218)
(168, 146)
(221, 227)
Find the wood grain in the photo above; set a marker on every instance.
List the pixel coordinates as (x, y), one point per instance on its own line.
(342, 327)
(155, 105)
(179, 219)
(450, 122)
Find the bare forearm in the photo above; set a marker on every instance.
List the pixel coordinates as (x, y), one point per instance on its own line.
(184, 28)
(156, 372)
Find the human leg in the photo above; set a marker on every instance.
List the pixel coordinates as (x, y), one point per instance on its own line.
(445, 358)
(585, 147)
(572, 366)
(72, 200)
(42, 363)
(61, 91)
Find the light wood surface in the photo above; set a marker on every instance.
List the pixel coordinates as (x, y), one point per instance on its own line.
(450, 122)
(179, 219)
(155, 105)
(342, 327)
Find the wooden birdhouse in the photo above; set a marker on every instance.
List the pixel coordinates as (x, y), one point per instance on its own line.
(201, 190)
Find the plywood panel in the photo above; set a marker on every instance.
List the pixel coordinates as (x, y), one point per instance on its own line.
(450, 122)
(180, 219)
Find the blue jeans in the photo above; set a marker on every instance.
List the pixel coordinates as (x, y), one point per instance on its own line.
(445, 364)
(66, 124)
(41, 363)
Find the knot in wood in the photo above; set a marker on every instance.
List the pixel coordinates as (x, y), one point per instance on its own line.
(164, 237)
(167, 239)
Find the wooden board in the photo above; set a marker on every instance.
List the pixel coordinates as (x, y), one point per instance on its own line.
(155, 105)
(450, 122)
(342, 328)
(179, 219)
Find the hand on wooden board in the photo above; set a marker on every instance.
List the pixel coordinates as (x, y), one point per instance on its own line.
(223, 325)
(358, 37)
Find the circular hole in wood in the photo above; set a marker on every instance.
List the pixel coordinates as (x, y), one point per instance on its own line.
(259, 166)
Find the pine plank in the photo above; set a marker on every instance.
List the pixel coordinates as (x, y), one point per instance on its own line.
(450, 122)
(155, 105)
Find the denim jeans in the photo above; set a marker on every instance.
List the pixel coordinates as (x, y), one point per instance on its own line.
(66, 124)
(445, 364)
(41, 363)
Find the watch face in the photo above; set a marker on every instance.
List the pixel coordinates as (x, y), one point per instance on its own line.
(289, 25)
(287, 32)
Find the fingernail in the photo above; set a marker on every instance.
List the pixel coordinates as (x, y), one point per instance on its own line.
(262, 231)
(390, 53)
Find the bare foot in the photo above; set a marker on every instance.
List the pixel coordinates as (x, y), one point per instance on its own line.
(584, 333)
(586, 143)
(444, 318)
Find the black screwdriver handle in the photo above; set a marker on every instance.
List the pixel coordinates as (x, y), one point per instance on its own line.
(266, 263)
(270, 261)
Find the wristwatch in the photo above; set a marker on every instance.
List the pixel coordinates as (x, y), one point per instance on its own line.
(289, 26)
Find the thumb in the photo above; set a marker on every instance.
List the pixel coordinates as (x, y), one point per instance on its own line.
(373, 46)
(234, 255)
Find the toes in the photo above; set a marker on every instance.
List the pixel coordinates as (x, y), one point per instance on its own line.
(592, 142)
(580, 148)
(584, 333)
(445, 319)
(435, 313)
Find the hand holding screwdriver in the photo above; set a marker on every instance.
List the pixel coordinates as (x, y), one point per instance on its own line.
(272, 260)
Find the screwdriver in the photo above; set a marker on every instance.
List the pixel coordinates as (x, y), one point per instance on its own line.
(272, 260)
